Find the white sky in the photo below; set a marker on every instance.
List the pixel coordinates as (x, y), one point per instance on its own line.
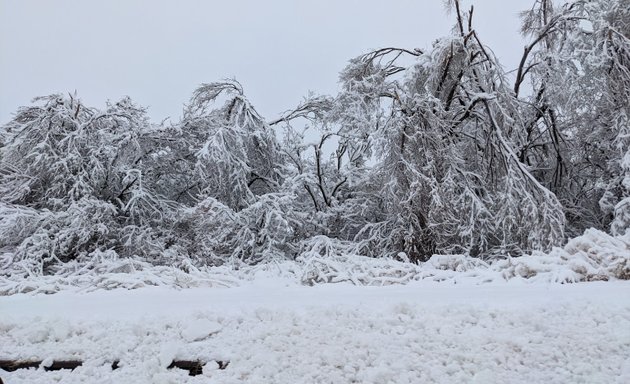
(158, 51)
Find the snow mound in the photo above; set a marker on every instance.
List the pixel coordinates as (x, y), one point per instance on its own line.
(590, 257)
(199, 329)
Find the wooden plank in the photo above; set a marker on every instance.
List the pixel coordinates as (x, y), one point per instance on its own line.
(12, 365)
(193, 367)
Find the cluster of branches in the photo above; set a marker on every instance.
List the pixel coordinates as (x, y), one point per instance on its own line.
(419, 153)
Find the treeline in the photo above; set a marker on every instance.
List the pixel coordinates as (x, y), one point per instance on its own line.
(421, 152)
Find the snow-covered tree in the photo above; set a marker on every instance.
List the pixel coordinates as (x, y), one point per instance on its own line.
(237, 155)
(327, 172)
(421, 152)
(578, 62)
(79, 171)
(451, 180)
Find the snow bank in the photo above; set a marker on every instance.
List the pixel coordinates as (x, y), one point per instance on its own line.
(590, 257)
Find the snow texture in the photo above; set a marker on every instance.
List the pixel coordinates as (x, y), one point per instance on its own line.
(422, 332)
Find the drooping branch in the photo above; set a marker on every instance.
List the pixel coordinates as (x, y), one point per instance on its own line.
(314, 108)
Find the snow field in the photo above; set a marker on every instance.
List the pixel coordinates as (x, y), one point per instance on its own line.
(417, 333)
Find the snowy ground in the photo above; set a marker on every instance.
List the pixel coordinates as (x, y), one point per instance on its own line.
(274, 332)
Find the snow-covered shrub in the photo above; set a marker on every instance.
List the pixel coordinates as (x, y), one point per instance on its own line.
(269, 225)
(86, 226)
(263, 231)
(593, 256)
(106, 271)
(456, 263)
(17, 223)
(326, 260)
(612, 254)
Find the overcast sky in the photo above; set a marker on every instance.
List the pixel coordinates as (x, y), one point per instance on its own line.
(158, 51)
